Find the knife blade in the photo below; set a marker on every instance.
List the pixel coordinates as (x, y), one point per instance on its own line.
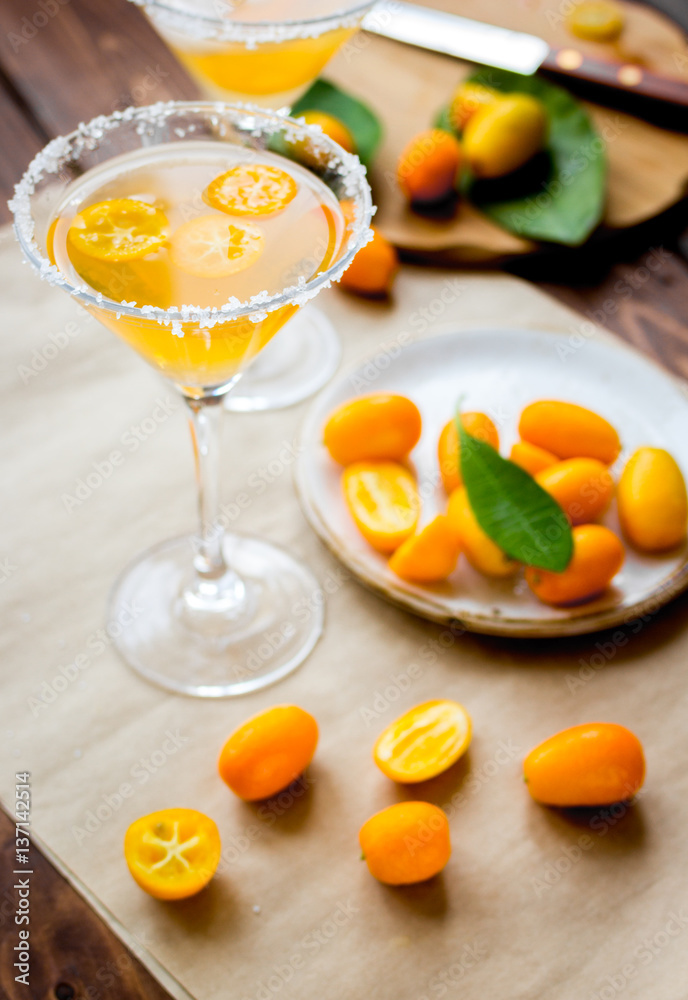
(488, 45)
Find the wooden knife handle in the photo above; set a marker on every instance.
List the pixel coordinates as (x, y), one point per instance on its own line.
(624, 77)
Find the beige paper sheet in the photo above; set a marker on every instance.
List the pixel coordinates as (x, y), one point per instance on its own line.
(533, 904)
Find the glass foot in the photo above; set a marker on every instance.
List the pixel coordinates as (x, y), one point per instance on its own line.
(301, 359)
(270, 622)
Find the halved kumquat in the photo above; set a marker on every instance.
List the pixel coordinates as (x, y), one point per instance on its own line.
(424, 741)
(211, 246)
(429, 556)
(251, 189)
(118, 230)
(172, 853)
(383, 500)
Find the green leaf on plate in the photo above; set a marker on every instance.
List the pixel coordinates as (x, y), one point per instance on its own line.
(560, 195)
(510, 507)
(364, 126)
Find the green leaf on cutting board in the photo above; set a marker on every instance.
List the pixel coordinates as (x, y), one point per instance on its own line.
(560, 195)
(363, 124)
(511, 508)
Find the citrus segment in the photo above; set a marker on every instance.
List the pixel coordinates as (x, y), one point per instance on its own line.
(429, 556)
(251, 189)
(120, 229)
(424, 741)
(172, 853)
(383, 500)
(211, 247)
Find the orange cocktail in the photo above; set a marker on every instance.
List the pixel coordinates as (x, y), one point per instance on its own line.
(202, 223)
(263, 51)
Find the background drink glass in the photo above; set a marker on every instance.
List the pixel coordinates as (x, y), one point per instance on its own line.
(265, 52)
(207, 600)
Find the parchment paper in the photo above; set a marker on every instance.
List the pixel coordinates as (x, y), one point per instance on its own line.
(534, 903)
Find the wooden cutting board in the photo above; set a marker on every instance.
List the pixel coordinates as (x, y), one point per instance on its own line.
(648, 166)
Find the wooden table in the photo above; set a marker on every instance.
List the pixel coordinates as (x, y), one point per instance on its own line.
(79, 58)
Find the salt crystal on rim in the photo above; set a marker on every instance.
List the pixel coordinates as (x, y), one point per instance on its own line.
(347, 168)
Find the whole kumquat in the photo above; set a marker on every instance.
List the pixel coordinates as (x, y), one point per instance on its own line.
(598, 555)
(482, 553)
(531, 458)
(429, 556)
(372, 270)
(429, 165)
(172, 853)
(268, 752)
(331, 126)
(479, 426)
(583, 488)
(569, 431)
(597, 20)
(424, 741)
(382, 426)
(406, 843)
(504, 134)
(383, 501)
(468, 98)
(595, 764)
(652, 501)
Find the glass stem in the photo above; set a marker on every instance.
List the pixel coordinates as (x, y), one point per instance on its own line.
(205, 416)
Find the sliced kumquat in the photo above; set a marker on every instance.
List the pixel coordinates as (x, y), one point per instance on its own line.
(429, 556)
(172, 853)
(384, 503)
(251, 189)
(120, 229)
(424, 741)
(212, 247)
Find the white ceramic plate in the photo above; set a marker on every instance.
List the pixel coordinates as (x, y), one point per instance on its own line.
(499, 372)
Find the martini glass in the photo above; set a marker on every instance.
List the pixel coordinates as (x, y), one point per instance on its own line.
(266, 52)
(218, 614)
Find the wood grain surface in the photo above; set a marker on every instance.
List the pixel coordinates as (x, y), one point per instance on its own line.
(64, 61)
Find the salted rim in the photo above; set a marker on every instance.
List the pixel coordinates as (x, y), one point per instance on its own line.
(201, 26)
(67, 148)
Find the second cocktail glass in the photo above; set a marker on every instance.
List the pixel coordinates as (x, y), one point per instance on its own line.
(267, 53)
(126, 214)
